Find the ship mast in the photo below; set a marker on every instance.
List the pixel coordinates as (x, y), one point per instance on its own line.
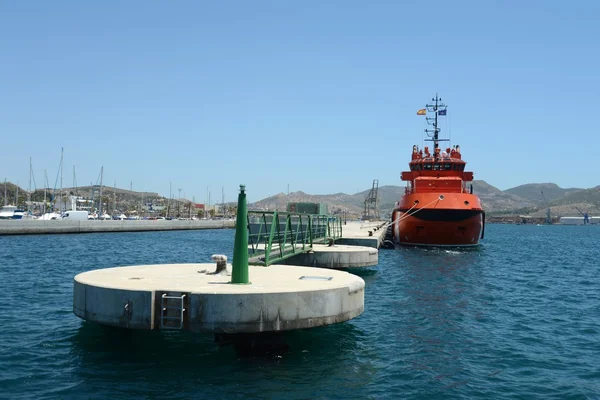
(437, 108)
(61, 181)
(46, 184)
(100, 208)
(29, 191)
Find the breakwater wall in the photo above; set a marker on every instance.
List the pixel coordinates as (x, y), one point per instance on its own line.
(34, 227)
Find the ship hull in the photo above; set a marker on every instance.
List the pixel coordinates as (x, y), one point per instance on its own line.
(451, 222)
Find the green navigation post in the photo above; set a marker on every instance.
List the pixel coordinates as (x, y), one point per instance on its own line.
(239, 273)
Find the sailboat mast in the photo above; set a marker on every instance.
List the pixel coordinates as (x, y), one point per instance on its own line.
(61, 180)
(75, 185)
(46, 184)
(169, 202)
(5, 198)
(179, 203)
(101, 176)
(29, 190)
(93, 205)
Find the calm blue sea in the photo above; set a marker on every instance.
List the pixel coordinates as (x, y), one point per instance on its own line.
(517, 319)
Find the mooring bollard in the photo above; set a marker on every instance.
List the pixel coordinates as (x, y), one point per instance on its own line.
(221, 260)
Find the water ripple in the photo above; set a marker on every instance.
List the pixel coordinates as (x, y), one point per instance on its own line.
(517, 318)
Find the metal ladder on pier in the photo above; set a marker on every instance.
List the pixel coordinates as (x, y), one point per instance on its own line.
(172, 311)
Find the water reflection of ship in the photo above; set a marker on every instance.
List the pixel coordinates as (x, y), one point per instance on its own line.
(439, 302)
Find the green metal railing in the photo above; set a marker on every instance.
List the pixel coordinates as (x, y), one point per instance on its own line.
(274, 236)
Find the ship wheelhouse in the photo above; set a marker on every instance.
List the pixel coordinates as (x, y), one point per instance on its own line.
(442, 171)
(442, 164)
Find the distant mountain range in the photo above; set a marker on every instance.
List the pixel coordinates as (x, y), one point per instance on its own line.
(521, 200)
(524, 199)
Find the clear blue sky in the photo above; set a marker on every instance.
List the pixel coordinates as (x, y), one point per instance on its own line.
(320, 95)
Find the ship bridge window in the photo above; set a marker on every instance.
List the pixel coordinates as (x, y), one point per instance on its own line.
(447, 167)
(436, 166)
(427, 166)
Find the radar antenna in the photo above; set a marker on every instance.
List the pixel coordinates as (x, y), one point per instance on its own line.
(438, 108)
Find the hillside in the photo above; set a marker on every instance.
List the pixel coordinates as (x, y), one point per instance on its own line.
(126, 200)
(586, 200)
(388, 196)
(563, 202)
(123, 195)
(582, 196)
(336, 202)
(532, 192)
(495, 200)
(11, 191)
(483, 188)
(351, 203)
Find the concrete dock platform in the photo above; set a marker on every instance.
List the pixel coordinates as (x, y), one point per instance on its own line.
(336, 256)
(325, 256)
(193, 297)
(363, 233)
(36, 227)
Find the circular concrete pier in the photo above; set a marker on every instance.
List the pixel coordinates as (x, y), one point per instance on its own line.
(193, 297)
(337, 256)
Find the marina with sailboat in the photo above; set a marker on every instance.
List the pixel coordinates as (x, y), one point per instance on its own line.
(79, 209)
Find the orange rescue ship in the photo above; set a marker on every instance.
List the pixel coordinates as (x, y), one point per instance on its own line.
(438, 209)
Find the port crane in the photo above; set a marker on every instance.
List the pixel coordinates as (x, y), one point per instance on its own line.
(548, 217)
(372, 203)
(586, 219)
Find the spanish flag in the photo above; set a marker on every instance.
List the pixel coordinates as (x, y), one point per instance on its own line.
(422, 111)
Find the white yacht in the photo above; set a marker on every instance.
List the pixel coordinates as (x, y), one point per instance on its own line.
(50, 216)
(11, 212)
(7, 212)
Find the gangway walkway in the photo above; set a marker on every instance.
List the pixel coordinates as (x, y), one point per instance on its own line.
(274, 236)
